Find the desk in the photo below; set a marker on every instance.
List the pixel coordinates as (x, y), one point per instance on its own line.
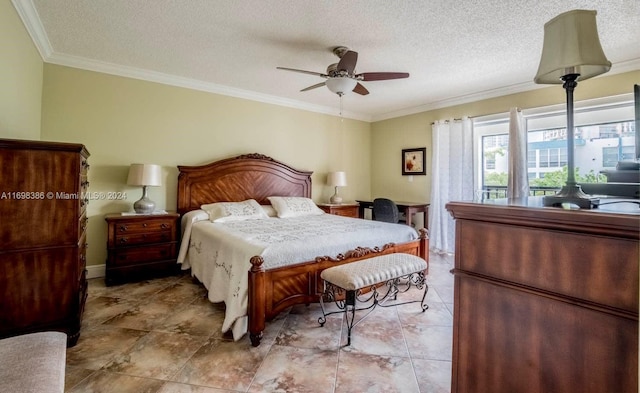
(409, 208)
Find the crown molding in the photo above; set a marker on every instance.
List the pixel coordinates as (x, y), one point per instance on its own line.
(193, 84)
(31, 20)
(617, 68)
(463, 99)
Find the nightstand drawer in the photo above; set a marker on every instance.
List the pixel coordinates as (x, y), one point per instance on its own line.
(138, 255)
(141, 246)
(351, 211)
(143, 238)
(145, 226)
(343, 209)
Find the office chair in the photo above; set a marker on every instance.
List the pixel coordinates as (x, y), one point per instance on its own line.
(385, 210)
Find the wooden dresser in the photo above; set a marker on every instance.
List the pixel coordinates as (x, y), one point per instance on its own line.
(43, 220)
(141, 246)
(545, 299)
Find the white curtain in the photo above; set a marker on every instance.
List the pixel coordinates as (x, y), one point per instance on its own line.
(518, 185)
(452, 178)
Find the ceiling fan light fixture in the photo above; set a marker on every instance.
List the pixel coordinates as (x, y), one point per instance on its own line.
(341, 84)
(341, 77)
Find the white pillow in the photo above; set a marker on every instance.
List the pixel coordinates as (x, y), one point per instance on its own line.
(269, 210)
(234, 211)
(294, 207)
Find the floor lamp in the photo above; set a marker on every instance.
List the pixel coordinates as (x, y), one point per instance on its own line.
(571, 53)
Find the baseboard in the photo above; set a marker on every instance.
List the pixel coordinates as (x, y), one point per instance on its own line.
(96, 271)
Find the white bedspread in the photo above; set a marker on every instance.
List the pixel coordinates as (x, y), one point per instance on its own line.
(219, 253)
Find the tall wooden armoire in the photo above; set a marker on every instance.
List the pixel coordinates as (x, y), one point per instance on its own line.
(43, 220)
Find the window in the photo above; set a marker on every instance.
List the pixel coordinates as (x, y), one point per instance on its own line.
(563, 156)
(628, 153)
(544, 158)
(554, 158)
(490, 163)
(609, 156)
(532, 159)
(605, 134)
(607, 131)
(492, 149)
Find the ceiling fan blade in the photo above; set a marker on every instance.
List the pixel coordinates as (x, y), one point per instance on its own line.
(304, 72)
(313, 87)
(348, 62)
(381, 76)
(360, 90)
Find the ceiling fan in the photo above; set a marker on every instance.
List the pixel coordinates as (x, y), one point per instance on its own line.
(341, 78)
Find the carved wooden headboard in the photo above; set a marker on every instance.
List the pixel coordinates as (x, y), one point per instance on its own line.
(248, 176)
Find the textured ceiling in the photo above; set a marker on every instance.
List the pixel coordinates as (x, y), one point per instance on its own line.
(455, 51)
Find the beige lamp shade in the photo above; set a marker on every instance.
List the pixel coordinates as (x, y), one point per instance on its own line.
(337, 179)
(145, 175)
(571, 46)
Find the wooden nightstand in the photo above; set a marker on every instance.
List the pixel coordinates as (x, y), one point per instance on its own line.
(341, 209)
(141, 247)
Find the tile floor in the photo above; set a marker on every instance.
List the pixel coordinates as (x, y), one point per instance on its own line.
(164, 336)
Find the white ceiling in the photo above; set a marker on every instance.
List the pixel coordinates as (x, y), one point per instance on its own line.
(455, 51)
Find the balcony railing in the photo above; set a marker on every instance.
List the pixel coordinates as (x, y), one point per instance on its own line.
(496, 192)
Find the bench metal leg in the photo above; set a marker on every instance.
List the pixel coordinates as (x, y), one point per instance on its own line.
(402, 285)
(350, 313)
(346, 300)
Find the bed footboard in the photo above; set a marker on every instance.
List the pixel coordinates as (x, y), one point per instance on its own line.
(272, 291)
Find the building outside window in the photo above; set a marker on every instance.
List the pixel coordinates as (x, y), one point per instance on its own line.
(604, 135)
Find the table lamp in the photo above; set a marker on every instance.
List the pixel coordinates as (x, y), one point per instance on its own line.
(144, 175)
(571, 52)
(336, 179)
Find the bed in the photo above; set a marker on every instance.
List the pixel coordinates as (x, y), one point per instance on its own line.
(272, 288)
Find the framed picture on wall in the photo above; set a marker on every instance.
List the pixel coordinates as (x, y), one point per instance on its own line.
(414, 161)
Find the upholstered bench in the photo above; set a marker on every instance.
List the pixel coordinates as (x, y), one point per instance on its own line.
(375, 280)
(33, 363)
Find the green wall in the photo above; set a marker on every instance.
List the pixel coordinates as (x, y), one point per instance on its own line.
(20, 78)
(124, 121)
(389, 137)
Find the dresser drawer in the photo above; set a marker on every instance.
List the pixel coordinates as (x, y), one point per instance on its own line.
(607, 274)
(83, 195)
(82, 294)
(84, 166)
(82, 255)
(82, 226)
(136, 255)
